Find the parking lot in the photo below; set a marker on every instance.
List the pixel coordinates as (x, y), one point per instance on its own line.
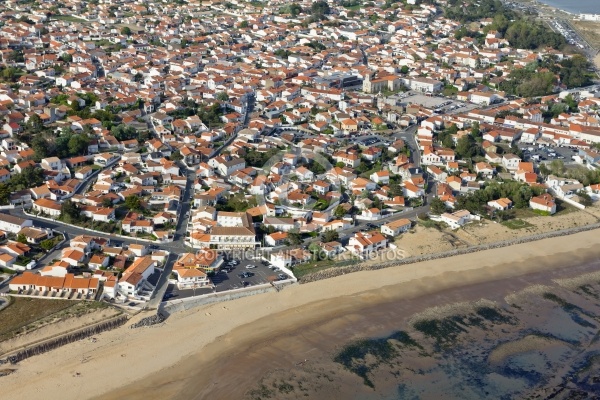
(439, 104)
(537, 153)
(229, 280)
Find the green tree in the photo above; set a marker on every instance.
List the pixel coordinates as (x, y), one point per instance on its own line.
(47, 244)
(66, 57)
(78, 144)
(133, 203)
(314, 248)
(438, 206)
(126, 31)
(124, 132)
(5, 193)
(339, 212)
(319, 9)
(21, 238)
(330, 236)
(475, 131)
(294, 238)
(244, 24)
(222, 96)
(70, 212)
(466, 147)
(28, 178)
(10, 73)
(176, 156)
(34, 124)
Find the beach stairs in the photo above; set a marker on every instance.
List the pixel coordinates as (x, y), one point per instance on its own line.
(98, 296)
(277, 288)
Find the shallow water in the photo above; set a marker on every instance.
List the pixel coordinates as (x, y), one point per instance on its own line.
(576, 7)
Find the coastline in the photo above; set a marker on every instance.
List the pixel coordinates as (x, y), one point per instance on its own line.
(159, 359)
(574, 11)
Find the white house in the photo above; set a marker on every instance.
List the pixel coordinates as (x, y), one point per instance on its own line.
(395, 228)
(135, 277)
(510, 161)
(544, 202)
(191, 278)
(500, 204)
(12, 224)
(363, 243)
(458, 218)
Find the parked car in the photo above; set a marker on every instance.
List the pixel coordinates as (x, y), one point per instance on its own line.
(250, 266)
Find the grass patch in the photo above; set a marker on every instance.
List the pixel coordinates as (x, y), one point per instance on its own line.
(523, 213)
(68, 18)
(428, 223)
(310, 267)
(516, 224)
(367, 174)
(542, 213)
(316, 266)
(23, 311)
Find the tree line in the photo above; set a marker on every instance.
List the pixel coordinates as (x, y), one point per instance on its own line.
(520, 31)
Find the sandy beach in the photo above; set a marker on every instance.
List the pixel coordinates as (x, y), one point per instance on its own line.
(130, 363)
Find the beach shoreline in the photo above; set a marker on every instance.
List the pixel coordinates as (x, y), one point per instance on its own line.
(134, 361)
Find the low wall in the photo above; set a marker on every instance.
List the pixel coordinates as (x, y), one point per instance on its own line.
(573, 203)
(59, 341)
(173, 306)
(337, 271)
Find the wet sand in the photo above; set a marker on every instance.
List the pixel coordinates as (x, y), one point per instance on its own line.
(232, 366)
(222, 350)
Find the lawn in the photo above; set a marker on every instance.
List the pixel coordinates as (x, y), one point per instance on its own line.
(516, 224)
(68, 18)
(310, 267)
(23, 311)
(367, 174)
(523, 213)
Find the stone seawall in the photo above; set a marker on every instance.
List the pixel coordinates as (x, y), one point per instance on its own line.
(171, 307)
(337, 271)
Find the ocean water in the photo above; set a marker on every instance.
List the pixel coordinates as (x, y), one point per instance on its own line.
(575, 6)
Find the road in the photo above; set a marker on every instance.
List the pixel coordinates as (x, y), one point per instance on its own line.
(163, 283)
(174, 248)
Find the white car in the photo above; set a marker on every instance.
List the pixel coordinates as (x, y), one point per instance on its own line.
(250, 266)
